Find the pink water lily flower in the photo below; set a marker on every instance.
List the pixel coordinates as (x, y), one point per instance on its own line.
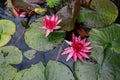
(50, 23)
(78, 49)
(17, 12)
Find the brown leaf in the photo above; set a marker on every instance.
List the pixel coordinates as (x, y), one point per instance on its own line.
(81, 31)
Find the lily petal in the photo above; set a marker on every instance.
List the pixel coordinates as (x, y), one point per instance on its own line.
(69, 56)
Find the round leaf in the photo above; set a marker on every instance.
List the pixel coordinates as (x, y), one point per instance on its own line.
(10, 55)
(86, 71)
(106, 37)
(36, 72)
(58, 71)
(35, 37)
(7, 72)
(7, 28)
(101, 13)
(30, 54)
(104, 71)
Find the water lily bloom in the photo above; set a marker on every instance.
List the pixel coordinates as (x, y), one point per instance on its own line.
(17, 12)
(78, 49)
(50, 23)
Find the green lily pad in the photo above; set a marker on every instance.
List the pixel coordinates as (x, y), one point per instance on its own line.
(7, 29)
(7, 72)
(58, 71)
(19, 74)
(106, 37)
(9, 3)
(30, 54)
(36, 72)
(107, 66)
(35, 37)
(10, 55)
(100, 14)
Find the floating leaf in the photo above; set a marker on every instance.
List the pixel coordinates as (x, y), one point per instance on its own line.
(58, 71)
(104, 53)
(19, 74)
(7, 28)
(69, 14)
(10, 55)
(9, 3)
(53, 71)
(101, 13)
(106, 37)
(30, 54)
(36, 72)
(35, 37)
(66, 15)
(25, 6)
(7, 72)
(86, 71)
(107, 66)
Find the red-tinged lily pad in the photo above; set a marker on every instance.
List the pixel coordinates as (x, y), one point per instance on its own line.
(10, 55)
(100, 14)
(7, 29)
(69, 15)
(35, 37)
(66, 15)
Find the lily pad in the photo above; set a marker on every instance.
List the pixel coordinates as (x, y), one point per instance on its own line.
(19, 74)
(107, 66)
(35, 37)
(100, 14)
(10, 55)
(58, 71)
(9, 3)
(108, 37)
(30, 54)
(36, 72)
(7, 72)
(7, 29)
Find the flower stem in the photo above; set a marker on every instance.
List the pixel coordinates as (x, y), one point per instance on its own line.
(59, 52)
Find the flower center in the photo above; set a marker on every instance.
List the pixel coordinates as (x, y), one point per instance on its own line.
(77, 46)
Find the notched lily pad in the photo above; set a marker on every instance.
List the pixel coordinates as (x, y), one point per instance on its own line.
(100, 14)
(30, 54)
(7, 29)
(58, 71)
(10, 55)
(35, 37)
(7, 72)
(108, 37)
(36, 72)
(90, 71)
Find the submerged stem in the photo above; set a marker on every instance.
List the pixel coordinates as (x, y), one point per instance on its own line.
(19, 37)
(59, 52)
